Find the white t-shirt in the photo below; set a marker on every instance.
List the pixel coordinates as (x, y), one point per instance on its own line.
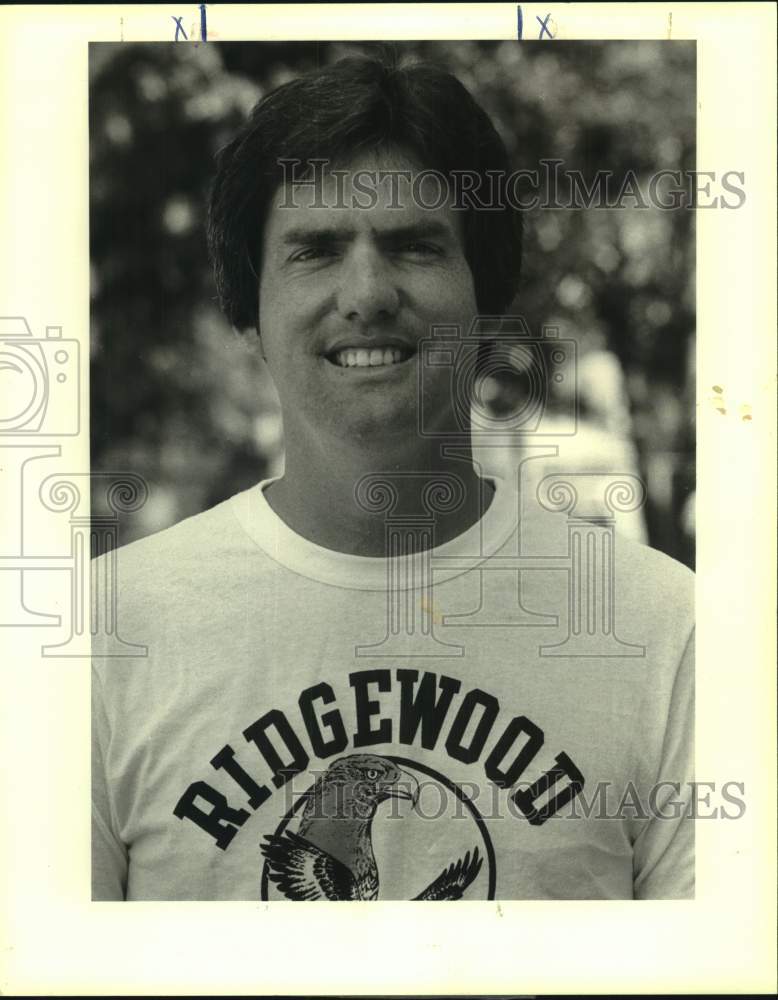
(309, 724)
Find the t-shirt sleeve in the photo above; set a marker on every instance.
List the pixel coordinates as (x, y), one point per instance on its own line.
(109, 854)
(663, 853)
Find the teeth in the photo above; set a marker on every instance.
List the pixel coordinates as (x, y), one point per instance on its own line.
(353, 357)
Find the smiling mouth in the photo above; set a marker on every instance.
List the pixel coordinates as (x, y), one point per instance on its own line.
(373, 357)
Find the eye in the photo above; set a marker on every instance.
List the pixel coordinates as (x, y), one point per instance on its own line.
(420, 249)
(371, 773)
(311, 253)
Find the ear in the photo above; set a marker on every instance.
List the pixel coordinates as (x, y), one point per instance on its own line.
(249, 333)
(258, 329)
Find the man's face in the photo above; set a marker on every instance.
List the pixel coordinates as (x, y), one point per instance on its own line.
(345, 296)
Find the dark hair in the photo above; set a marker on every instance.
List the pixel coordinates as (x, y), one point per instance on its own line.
(359, 105)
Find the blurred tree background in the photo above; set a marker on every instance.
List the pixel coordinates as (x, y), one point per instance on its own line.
(179, 398)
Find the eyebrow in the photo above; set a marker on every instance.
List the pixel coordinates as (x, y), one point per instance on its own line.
(342, 234)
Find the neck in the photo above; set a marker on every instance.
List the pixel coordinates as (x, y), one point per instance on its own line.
(319, 499)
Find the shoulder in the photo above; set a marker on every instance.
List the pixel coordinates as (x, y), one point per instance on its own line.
(642, 585)
(649, 573)
(653, 599)
(200, 556)
(182, 543)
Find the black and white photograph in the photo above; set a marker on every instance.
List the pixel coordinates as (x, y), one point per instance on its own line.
(407, 613)
(388, 475)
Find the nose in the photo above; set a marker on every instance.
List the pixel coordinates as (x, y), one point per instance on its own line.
(367, 293)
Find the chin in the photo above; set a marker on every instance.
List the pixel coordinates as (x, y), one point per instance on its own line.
(381, 427)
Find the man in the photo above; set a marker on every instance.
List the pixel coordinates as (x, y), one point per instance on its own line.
(338, 702)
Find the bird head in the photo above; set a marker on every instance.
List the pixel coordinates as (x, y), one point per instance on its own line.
(363, 781)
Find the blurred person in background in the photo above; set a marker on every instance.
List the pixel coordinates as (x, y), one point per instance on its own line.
(264, 616)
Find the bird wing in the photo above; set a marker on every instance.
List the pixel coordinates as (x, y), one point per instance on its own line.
(303, 871)
(452, 881)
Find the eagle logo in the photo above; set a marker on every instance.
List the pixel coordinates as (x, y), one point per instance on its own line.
(331, 857)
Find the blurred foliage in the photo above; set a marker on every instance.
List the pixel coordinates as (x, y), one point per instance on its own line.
(177, 397)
